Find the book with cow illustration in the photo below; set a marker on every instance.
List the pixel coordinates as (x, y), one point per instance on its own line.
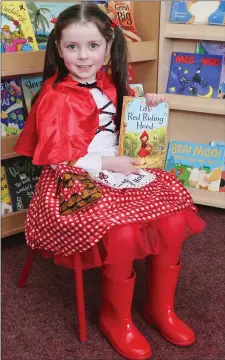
(196, 165)
(12, 110)
(195, 74)
(143, 131)
(43, 16)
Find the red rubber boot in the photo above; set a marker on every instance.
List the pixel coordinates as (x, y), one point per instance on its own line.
(159, 307)
(115, 319)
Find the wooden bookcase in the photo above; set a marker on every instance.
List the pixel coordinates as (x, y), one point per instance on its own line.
(143, 55)
(191, 118)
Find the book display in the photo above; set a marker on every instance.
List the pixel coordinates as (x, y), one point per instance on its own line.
(143, 56)
(195, 117)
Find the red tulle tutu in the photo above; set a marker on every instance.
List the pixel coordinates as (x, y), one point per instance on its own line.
(124, 225)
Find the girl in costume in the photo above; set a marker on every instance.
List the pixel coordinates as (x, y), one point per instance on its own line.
(76, 118)
(145, 149)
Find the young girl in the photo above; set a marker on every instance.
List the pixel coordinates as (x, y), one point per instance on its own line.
(76, 118)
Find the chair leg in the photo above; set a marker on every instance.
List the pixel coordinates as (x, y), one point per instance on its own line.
(26, 268)
(78, 277)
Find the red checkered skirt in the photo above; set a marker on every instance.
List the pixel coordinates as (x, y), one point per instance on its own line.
(123, 225)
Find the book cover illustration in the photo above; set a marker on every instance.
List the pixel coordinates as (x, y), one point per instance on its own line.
(198, 12)
(222, 180)
(43, 16)
(196, 165)
(138, 88)
(16, 30)
(123, 12)
(194, 74)
(6, 204)
(214, 48)
(30, 86)
(22, 177)
(143, 131)
(12, 110)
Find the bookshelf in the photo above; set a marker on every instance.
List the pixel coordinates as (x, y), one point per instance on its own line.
(144, 58)
(191, 118)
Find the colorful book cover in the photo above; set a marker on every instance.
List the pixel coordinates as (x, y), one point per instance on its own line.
(123, 12)
(194, 74)
(6, 204)
(214, 48)
(22, 177)
(138, 88)
(16, 29)
(143, 131)
(30, 85)
(12, 110)
(198, 12)
(43, 16)
(196, 165)
(222, 181)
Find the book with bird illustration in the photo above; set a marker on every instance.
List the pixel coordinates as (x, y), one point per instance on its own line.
(16, 29)
(12, 110)
(43, 16)
(195, 74)
(143, 131)
(31, 84)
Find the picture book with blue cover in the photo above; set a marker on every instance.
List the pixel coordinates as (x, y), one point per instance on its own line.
(222, 181)
(143, 131)
(214, 48)
(196, 165)
(198, 12)
(31, 84)
(12, 110)
(195, 74)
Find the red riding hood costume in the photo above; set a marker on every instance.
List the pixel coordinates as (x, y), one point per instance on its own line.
(143, 151)
(60, 127)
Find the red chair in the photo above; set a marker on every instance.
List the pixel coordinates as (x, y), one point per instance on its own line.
(78, 278)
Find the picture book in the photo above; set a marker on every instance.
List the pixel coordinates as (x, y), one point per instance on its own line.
(198, 12)
(30, 86)
(43, 16)
(124, 13)
(222, 181)
(12, 110)
(143, 131)
(214, 48)
(16, 29)
(195, 74)
(6, 204)
(138, 88)
(196, 165)
(22, 176)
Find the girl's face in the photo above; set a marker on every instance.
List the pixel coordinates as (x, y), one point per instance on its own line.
(83, 50)
(144, 139)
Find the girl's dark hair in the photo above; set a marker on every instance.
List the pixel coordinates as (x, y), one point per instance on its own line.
(119, 54)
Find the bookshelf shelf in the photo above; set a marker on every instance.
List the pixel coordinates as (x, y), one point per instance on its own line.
(194, 32)
(17, 219)
(208, 198)
(8, 143)
(22, 63)
(188, 103)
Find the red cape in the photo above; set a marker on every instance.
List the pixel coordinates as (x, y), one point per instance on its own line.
(63, 121)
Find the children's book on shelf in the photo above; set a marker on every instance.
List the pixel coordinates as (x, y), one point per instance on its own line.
(16, 29)
(124, 13)
(196, 165)
(43, 16)
(22, 176)
(30, 85)
(143, 131)
(6, 204)
(198, 12)
(12, 110)
(195, 74)
(214, 48)
(222, 182)
(138, 89)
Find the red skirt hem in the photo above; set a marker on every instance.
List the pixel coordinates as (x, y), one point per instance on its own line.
(136, 241)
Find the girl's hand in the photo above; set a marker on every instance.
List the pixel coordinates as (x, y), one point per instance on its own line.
(154, 99)
(121, 164)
